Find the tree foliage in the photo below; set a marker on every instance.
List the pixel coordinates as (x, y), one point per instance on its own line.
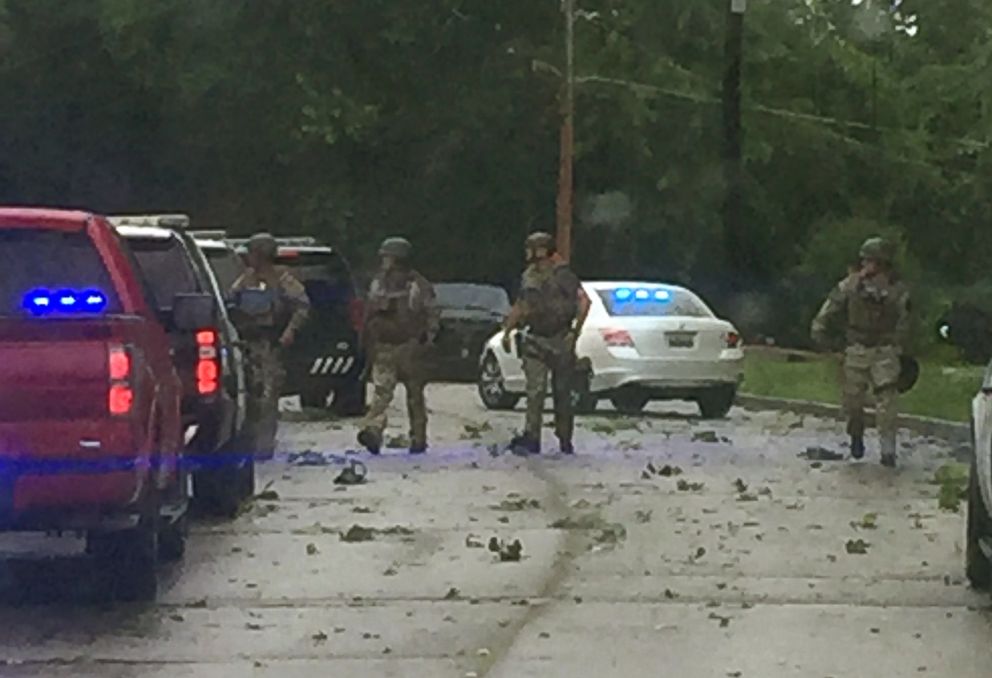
(352, 120)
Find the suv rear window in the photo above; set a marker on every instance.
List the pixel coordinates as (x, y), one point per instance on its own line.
(166, 268)
(35, 259)
(324, 274)
(653, 302)
(226, 265)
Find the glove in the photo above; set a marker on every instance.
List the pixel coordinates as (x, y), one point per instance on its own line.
(507, 341)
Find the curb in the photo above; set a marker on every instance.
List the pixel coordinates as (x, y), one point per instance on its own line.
(952, 432)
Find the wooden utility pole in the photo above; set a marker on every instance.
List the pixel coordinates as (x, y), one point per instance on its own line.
(737, 249)
(566, 181)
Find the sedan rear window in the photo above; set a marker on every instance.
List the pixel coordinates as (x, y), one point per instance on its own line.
(165, 267)
(653, 302)
(32, 260)
(471, 297)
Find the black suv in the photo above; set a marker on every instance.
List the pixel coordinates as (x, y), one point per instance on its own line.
(209, 361)
(327, 358)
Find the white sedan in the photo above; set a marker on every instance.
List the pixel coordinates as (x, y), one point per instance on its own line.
(979, 550)
(641, 342)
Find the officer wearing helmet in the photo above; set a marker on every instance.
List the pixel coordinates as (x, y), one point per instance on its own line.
(552, 308)
(401, 322)
(872, 306)
(270, 308)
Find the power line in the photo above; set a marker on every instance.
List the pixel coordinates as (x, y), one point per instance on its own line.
(972, 144)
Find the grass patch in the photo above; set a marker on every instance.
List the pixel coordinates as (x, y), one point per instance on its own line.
(943, 391)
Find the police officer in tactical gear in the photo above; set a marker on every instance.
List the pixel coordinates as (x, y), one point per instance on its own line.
(270, 308)
(873, 306)
(551, 310)
(401, 322)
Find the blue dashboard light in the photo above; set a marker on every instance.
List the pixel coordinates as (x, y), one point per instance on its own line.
(622, 294)
(641, 295)
(662, 295)
(94, 301)
(67, 299)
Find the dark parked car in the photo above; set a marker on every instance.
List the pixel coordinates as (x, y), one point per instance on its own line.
(969, 328)
(209, 360)
(470, 314)
(327, 359)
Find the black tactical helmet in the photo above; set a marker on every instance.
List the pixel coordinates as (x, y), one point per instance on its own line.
(263, 244)
(878, 249)
(395, 247)
(540, 239)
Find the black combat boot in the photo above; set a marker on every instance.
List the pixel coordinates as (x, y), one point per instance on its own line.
(566, 447)
(857, 447)
(370, 440)
(418, 448)
(523, 446)
(889, 460)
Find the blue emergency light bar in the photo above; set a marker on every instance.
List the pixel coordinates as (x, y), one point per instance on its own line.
(626, 294)
(43, 302)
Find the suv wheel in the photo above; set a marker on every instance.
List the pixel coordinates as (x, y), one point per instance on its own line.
(220, 488)
(492, 388)
(716, 403)
(315, 397)
(978, 565)
(584, 401)
(126, 561)
(349, 399)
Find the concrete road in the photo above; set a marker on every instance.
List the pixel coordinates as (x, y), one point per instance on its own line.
(737, 566)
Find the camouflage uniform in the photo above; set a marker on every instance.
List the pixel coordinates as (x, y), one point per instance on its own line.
(401, 321)
(549, 294)
(875, 311)
(261, 332)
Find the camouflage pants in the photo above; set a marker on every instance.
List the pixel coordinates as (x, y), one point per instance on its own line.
(394, 364)
(556, 355)
(265, 375)
(876, 370)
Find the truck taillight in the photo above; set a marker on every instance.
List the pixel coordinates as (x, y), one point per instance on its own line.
(733, 340)
(207, 363)
(617, 338)
(120, 394)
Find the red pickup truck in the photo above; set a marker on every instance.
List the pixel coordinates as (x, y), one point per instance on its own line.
(90, 430)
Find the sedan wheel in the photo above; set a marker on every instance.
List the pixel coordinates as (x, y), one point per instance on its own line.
(632, 401)
(492, 388)
(977, 563)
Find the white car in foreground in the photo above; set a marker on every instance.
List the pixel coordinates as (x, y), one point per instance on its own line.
(979, 550)
(641, 342)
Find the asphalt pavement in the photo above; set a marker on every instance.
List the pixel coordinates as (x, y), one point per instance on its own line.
(668, 546)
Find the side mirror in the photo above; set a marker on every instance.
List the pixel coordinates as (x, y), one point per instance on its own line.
(191, 312)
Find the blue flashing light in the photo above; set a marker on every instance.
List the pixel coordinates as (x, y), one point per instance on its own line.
(625, 295)
(43, 302)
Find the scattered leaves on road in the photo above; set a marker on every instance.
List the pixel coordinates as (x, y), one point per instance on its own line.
(686, 486)
(667, 471)
(312, 550)
(361, 509)
(521, 504)
(642, 516)
(508, 553)
(724, 621)
(953, 481)
(453, 594)
(821, 454)
(357, 533)
(740, 485)
(476, 431)
(705, 437)
(869, 521)
(857, 547)
(397, 442)
(267, 495)
(319, 637)
(474, 542)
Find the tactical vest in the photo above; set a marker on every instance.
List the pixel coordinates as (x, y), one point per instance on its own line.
(397, 305)
(873, 313)
(551, 298)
